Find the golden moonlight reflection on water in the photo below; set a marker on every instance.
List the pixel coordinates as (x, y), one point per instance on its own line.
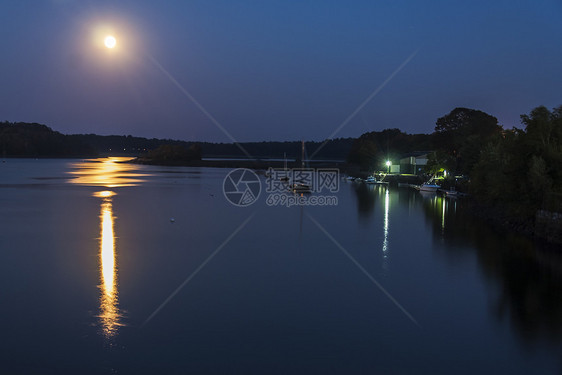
(109, 305)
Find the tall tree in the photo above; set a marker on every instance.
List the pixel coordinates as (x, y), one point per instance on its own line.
(372, 149)
(462, 133)
(364, 152)
(520, 170)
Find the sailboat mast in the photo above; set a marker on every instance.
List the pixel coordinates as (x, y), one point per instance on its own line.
(302, 157)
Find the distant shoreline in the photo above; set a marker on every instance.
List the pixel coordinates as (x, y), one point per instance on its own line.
(204, 162)
(257, 164)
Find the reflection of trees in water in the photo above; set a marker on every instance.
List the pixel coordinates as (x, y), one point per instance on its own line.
(529, 275)
(366, 198)
(531, 291)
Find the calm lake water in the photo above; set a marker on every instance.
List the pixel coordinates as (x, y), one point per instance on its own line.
(97, 279)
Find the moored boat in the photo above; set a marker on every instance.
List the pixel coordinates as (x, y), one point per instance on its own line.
(428, 187)
(300, 187)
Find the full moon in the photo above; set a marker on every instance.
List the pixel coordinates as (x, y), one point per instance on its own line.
(110, 41)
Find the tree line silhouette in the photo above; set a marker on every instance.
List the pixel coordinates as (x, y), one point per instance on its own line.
(21, 139)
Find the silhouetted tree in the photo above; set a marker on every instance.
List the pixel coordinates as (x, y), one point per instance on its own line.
(364, 153)
(461, 134)
(174, 154)
(519, 169)
(372, 149)
(37, 140)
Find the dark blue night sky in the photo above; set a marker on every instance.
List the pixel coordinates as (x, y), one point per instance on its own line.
(274, 70)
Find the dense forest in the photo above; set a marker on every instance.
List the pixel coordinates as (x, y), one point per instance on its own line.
(336, 149)
(172, 154)
(37, 140)
(518, 171)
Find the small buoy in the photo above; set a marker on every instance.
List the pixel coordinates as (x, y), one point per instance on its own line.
(172, 220)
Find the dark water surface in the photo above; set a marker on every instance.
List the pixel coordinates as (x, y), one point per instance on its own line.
(97, 279)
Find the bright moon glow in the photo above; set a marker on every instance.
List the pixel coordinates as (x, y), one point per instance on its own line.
(110, 41)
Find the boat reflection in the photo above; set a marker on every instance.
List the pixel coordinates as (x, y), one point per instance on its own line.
(109, 316)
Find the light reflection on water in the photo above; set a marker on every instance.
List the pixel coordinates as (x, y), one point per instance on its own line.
(109, 297)
(109, 172)
(442, 207)
(385, 223)
(113, 172)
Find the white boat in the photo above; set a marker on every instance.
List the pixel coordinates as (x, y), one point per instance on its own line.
(428, 187)
(373, 181)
